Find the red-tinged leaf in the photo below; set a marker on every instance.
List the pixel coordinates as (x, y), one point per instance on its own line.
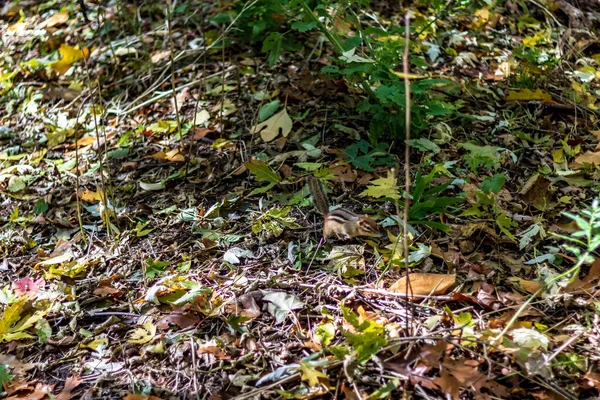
(132, 396)
(180, 318)
(199, 133)
(215, 351)
(105, 291)
(28, 287)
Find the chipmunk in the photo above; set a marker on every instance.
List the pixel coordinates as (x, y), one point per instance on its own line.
(340, 222)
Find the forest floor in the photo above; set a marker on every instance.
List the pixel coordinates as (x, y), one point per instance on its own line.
(158, 239)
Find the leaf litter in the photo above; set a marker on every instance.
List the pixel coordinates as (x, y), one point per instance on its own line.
(153, 246)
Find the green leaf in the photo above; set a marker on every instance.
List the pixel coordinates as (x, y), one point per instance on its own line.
(155, 268)
(16, 184)
(268, 109)
(493, 184)
(325, 333)
(424, 144)
(309, 166)
(192, 295)
(263, 189)
(282, 304)
(386, 390)
(5, 377)
(40, 207)
(505, 223)
(486, 156)
(262, 172)
(43, 330)
(418, 255)
(330, 69)
(302, 26)
(272, 45)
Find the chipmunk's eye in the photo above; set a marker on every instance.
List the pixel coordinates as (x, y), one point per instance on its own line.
(367, 227)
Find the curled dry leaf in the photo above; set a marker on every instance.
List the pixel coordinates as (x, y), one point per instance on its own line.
(424, 284)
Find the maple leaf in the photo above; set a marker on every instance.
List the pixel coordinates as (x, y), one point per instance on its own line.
(143, 335)
(311, 375)
(28, 287)
(383, 187)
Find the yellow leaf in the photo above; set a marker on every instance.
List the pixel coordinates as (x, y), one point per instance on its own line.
(175, 155)
(69, 55)
(382, 187)
(529, 286)
(163, 126)
(11, 315)
(311, 375)
(94, 344)
(143, 335)
(71, 269)
(558, 156)
(526, 95)
(88, 195)
(85, 141)
(401, 75)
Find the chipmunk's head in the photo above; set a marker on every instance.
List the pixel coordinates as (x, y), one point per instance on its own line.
(367, 227)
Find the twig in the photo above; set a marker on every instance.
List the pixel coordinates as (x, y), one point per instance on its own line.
(406, 146)
(174, 93)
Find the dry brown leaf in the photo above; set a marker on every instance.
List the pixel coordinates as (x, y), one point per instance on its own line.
(132, 396)
(270, 128)
(199, 133)
(180, 318)
(424, 284)
(529, 286)
(589, 157)
(71, 383)
(364, 315)
(537, 191)
(58, 18)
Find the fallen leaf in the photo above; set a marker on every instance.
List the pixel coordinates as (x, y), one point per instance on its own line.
(537, 191)
(424, 284)
(199, 132)
(132, 396)
(589, 157)
(527, 95)
(143, 335)
(529, 286)
(71, 383)
(58, 18)
(270, 129)
(28, 287)
(69, 55)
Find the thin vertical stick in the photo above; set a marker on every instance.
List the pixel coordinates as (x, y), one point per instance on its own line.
(172, 62)
(407, 140)
(406, 144)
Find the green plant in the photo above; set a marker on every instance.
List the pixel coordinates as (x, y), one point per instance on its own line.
(362, 155)
(586, 240)
(368, 59)
(426, 197)
(487, 203)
